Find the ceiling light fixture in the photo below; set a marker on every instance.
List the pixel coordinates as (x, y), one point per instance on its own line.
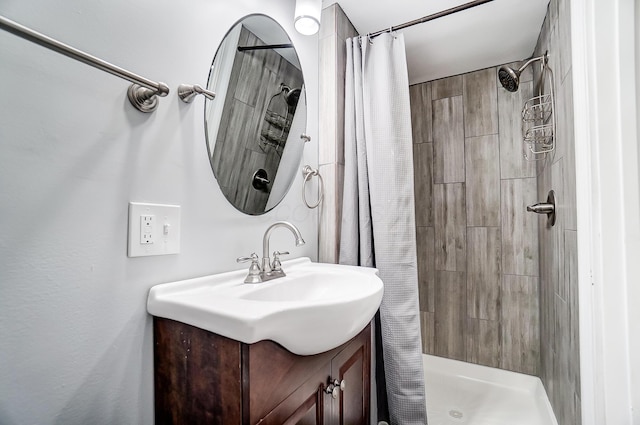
(307, 16)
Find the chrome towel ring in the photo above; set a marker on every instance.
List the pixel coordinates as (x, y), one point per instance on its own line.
(309, 172)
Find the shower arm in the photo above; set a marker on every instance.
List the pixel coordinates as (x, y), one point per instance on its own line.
(544, 58)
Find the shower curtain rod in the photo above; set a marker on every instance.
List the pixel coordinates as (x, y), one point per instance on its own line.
(431, 17)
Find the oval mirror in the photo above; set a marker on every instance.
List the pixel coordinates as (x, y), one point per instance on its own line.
(254, 124)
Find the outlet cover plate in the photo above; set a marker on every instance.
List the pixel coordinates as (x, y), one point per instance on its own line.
(166, 229)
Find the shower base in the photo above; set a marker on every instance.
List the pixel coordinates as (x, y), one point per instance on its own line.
(464, 393)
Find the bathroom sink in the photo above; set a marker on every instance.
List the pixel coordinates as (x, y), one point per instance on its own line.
(315, 308)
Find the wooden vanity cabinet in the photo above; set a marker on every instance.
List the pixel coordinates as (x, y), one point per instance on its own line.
(204, 378)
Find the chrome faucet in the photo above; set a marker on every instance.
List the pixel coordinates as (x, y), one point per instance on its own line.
(266, 260)
(269, 270)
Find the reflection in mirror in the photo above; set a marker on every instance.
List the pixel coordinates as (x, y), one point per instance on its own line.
(253, 126)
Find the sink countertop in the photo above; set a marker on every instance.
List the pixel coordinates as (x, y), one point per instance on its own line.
(315, 308)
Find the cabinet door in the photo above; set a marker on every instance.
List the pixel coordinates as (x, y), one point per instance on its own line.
(352, 366)
(307, 405)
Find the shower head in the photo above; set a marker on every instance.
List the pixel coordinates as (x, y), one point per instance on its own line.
(510, 78)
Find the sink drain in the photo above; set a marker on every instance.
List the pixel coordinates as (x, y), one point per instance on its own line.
(456, 414)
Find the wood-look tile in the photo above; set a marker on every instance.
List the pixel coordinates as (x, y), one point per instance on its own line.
(483, 342)
(560, 285)
(547, 248)
(253, 70)
(482, 167)
(247, 198)
(328, 19)
(228, 152)
(483, 272)
(447, 87)
(328, 100)
(512, 147)
(561, 343)
(562, 126)
(547, 285)
(578, 409)
(425, 240)
(448, 140)
(552, 12)
(519, 319)
(543, 37)
(564, 36)
(341, 64)
(480, 103)
(427, 326)
(423, 183)
(450, 314)
(519, 227)
(571, 277)
(562, 399)
(571, 210)
(328, 242)
(344, 27)
(559, 355)
(421, 114)
(339, 178)
(450, 227)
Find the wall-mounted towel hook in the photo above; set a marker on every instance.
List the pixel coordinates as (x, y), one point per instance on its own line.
(309, 172)
(187, 92)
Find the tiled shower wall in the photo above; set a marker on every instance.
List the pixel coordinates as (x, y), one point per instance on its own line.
(482, 297)
(477, 245)
(559, 348)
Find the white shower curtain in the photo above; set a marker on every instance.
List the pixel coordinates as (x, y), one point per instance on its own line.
(378, 217)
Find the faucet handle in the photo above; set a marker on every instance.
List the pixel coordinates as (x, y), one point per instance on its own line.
(254, 268)
(277, 265)
(253, 257)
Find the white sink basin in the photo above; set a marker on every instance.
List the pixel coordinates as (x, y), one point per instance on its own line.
(315, 308)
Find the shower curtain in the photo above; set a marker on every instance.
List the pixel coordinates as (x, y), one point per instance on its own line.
(378, 217)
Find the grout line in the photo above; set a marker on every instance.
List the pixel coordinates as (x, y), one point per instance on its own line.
(519, 275)
(520, 178)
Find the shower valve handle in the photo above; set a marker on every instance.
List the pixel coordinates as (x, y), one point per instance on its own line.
(548, 208)
(541, 208)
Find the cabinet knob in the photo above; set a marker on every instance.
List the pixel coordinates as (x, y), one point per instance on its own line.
(333, 390)
(334, 387)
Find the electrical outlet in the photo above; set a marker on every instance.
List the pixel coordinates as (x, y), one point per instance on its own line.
(146, 229)
(154, 229)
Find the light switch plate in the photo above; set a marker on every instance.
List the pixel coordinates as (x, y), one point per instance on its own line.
(163, 236)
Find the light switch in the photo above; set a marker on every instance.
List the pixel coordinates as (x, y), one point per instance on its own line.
(154, 229)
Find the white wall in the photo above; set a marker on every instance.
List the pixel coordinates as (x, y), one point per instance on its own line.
(76, 341)
(608, 174)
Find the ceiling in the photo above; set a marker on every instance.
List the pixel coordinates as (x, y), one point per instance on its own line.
(491, 34)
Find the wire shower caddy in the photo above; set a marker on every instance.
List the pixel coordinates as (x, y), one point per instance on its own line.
(539, 121)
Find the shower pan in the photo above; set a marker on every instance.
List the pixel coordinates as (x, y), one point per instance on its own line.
(465, 393)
